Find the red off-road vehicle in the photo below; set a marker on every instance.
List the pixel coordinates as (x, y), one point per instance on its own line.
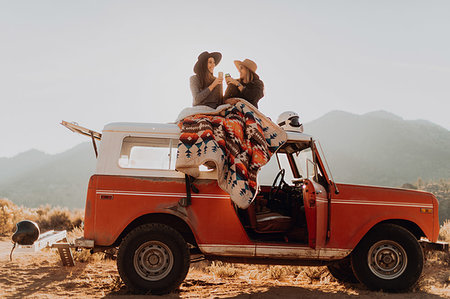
(160, 219)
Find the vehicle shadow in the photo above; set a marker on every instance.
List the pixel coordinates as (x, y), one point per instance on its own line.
(287, 292)
(219, 290)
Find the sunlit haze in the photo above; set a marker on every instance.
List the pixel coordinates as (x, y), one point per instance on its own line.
(96, 62)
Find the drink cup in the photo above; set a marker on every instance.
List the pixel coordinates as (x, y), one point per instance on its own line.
(220, 74)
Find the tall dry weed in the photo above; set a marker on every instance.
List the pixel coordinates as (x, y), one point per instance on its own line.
(444, 232)
(315, 274)
(222, 270)
(47, 217)
(58, 218)
(444, 235)
(10, 214)
(276, 272)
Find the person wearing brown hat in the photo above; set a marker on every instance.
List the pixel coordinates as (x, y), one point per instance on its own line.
(207, 89)
(248, 87)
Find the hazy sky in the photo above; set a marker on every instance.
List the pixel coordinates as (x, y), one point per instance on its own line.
(96, 62)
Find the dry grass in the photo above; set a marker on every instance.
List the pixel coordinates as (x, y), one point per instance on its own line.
(222, 270)
(10, 214)
(46, 217)
(316, 274)
(444, 235)
(276, 272)
(444, 232)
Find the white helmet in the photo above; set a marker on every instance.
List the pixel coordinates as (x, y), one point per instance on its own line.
(289, 121)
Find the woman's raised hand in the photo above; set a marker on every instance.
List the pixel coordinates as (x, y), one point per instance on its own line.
(217, 81)
(232, 81)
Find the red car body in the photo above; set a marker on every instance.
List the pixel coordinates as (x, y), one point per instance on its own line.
(138, 202)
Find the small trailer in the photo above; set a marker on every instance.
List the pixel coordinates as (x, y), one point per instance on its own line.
(49, 239)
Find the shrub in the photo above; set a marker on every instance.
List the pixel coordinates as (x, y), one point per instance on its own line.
(10, 214)
(222, 269)
(444, 233)
(276, 272)
(315, 273)
(46, 217)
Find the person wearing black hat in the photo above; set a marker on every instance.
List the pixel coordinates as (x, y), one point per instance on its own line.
(207, 89)
(248, 87)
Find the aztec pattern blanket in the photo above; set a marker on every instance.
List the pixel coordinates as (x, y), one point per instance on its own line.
(239, 140)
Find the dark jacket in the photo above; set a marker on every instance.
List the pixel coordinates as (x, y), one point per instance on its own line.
(204, 96)
(253, 91)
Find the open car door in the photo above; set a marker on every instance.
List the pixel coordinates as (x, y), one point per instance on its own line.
(316, 203)
(316, 212)
(74, 127)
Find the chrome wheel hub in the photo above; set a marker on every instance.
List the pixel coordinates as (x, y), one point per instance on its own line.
(387, 259)
(153, 260)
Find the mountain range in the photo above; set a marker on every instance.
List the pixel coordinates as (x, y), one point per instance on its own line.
(377, 148)
(380, 148)
(34, 178)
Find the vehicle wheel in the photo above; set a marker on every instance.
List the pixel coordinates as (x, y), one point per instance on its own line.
(342, 271)
(388, 258)
(153, 258)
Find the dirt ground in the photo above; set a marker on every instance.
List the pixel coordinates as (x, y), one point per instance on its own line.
(41, 275)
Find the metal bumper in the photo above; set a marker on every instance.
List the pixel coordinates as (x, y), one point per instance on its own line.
(84, 243)
(437, 246)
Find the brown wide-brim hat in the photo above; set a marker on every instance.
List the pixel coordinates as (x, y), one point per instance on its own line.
(204, 57)
(250, 64)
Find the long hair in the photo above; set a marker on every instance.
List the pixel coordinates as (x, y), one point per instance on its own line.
(250, 77)
(206, 78)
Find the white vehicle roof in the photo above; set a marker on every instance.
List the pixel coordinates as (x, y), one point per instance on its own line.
(170, 128)
(173, 129)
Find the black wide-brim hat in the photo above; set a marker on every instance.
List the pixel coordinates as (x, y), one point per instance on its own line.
(204, 57)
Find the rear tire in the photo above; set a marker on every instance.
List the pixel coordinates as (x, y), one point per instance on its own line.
(388, 258)
(342, 271)
(153, 258)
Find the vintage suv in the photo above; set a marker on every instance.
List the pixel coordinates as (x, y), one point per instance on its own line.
(161, 220)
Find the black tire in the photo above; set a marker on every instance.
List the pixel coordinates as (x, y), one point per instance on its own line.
(342, 271)
(153, 259)
(389, 258)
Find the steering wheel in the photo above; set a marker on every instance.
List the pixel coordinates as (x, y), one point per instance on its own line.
(276, 186)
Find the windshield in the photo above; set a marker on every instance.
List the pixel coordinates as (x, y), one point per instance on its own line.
(300, 155)
(304, 161)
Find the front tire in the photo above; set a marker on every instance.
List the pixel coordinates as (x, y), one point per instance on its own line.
(388, 258)
(153, 258)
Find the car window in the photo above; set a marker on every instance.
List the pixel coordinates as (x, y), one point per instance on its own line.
(306, 165)
(148, 153)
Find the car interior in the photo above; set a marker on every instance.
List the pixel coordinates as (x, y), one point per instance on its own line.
(277, 213)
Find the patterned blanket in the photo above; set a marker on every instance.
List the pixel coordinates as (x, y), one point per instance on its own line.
(239, 141)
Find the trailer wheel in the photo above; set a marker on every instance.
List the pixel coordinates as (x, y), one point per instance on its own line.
(388, 258)
(342, 271)
(153, 258)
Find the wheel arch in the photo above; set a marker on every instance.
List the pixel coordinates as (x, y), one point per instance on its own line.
(406, 224)
(171, 220)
